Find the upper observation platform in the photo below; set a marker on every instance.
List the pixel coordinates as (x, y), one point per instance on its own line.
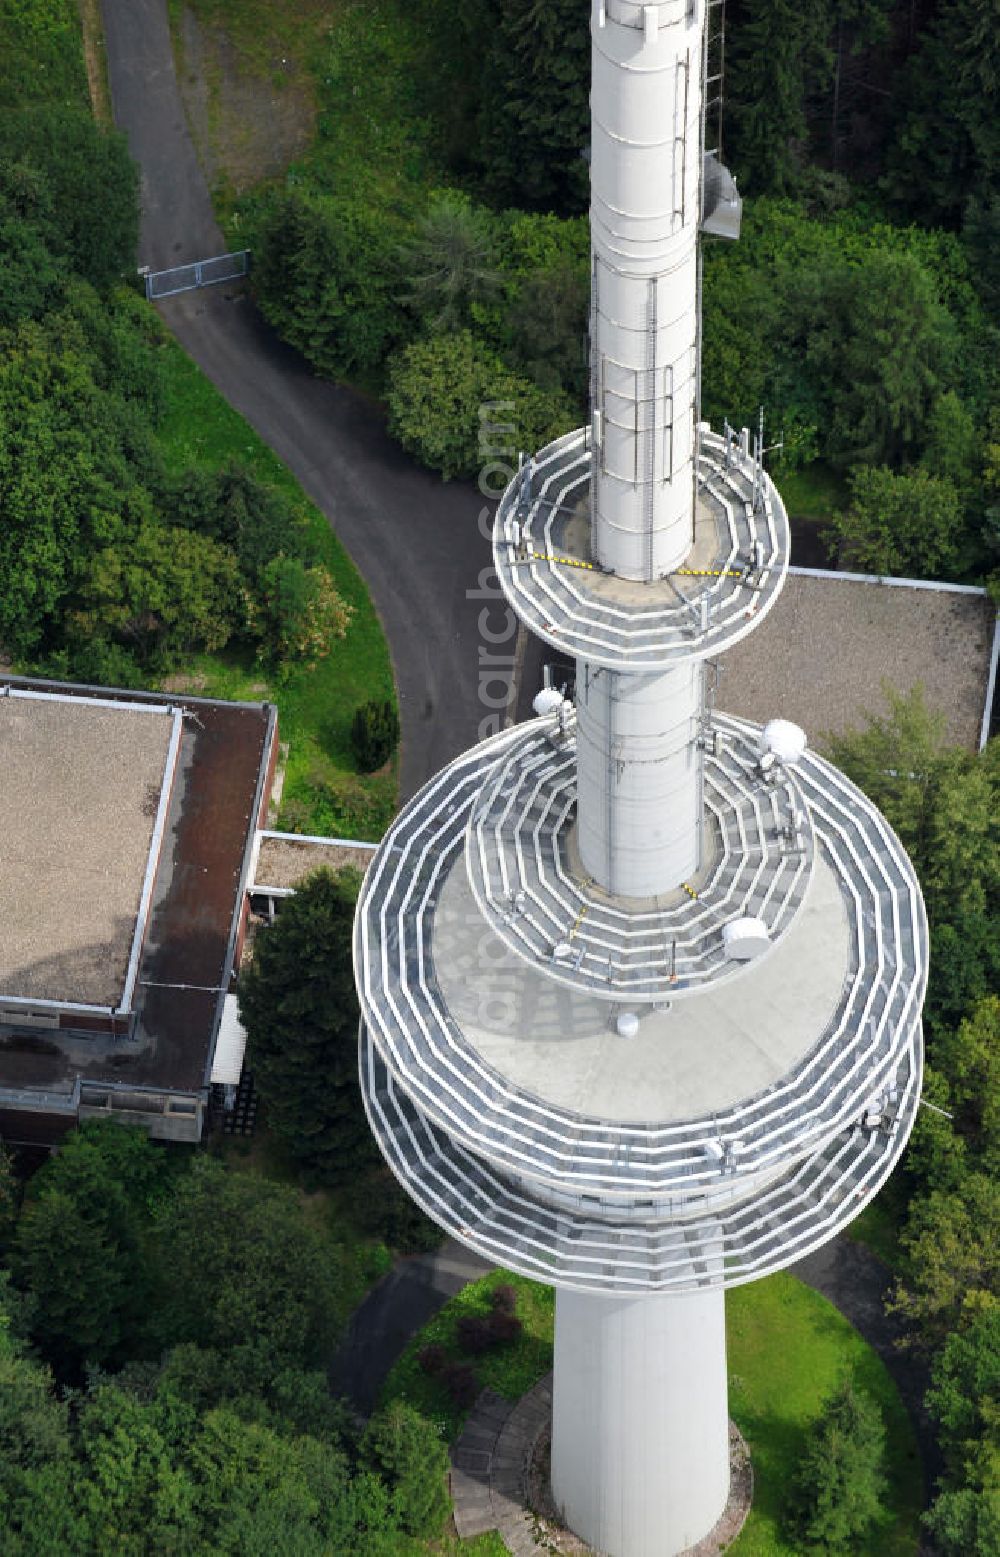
(729, 580)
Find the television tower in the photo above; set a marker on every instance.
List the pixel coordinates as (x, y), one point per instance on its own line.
(641, 982)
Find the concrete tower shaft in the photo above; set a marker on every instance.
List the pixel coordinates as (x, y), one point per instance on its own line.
(646, 177)
(639, 777)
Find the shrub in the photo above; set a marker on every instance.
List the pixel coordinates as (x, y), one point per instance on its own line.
(461, 1383)
(406, 1449)
(300, 611)
(433, 1359)
(473, 1334)
(836, 1492)
(907, 524)
(374, 734)
(503, 1299)
(503, 1327)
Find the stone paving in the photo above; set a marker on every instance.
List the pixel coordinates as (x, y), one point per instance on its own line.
(492, 1469)
(490, 1464)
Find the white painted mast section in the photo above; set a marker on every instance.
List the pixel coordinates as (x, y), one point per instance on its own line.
(640, 1427)
(638, 758)
(639, 789)
(646, 173)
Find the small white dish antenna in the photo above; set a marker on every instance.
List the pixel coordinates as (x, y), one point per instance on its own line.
(784, 740)
(547, 701)
(744, 939)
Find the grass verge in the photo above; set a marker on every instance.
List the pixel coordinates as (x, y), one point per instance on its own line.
(324, 793)
(788, 1351)
(96, 61)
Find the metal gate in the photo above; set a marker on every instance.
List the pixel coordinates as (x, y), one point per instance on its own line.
(202, 273)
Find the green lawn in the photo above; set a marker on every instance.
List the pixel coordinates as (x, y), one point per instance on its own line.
(509, 1372)
(788, 1350)
(323, 791)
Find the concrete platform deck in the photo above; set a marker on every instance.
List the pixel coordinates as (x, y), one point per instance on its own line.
(698, 1056)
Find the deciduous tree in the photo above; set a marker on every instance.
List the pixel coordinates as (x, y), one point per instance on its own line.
(904, 525)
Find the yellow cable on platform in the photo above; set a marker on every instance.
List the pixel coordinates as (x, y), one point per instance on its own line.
(707, 573)
(689, 890)
(568, 562)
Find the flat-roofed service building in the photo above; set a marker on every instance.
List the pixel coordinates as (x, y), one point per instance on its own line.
(127, 823)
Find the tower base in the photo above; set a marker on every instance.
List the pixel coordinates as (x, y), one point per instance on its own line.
(640, 1429)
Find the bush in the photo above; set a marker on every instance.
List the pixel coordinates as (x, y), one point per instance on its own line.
(473, 1334)
(300, 611)
(503, 1299)
(461, 1383)
(504, 1327)
(908, 524)
(477, 1333)
(374, 734)
(407, 1451)
(433, 1359)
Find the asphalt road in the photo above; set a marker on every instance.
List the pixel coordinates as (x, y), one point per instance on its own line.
(416, 540)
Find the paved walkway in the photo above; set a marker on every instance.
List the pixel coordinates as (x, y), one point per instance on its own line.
(490, 1464)
(394, 1310)
(494, 1477)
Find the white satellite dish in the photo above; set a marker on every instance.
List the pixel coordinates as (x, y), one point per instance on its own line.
(784, 740)
(547, 701)
(745, 939)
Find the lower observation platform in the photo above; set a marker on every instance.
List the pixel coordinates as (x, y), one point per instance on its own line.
(780, 1098)
(730, 580)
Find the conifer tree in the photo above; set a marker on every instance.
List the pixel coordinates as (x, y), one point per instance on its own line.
(298, 1003)
(835, 1495)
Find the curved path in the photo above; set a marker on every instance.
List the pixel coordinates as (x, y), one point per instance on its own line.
(416, 540)
(419, 546)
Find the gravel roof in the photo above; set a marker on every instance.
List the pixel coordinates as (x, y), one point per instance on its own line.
(284, 862)
(79, 789)
(824, 654)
